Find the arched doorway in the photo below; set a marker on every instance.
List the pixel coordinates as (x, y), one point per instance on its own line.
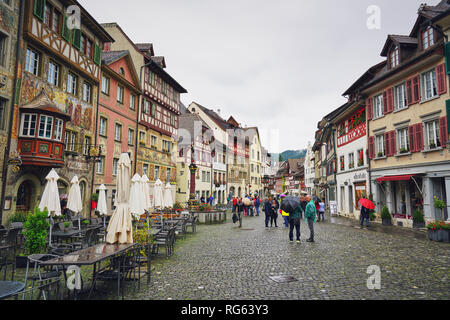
(24, 193)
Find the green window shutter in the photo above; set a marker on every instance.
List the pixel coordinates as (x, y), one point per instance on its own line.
(447, 57)
(97, 54)
(65, 31)
(39, 9)
(76, 38)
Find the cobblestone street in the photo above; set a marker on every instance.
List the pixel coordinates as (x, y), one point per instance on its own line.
(224, 262)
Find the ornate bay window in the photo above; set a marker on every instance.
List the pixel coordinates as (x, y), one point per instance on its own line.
(42, 126)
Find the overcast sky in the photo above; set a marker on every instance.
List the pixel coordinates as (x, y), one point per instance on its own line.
(279, 65)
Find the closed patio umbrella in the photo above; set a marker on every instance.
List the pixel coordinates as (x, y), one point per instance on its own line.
(158, 195)
(137, 198)
(120, 226)
(168, 199)
(74, 202)
(146, 191)
(50, 198)
(102, 207)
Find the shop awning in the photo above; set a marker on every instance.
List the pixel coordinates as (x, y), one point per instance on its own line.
(405, 177)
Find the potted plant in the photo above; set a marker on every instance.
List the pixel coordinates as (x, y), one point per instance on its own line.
(94, 199)
(444, 232)
(433, 229)
(35, 232)
(418, 220)
(360, 162)
(66, 226)
(85, 223)
(432, 145)
(20, 216)
(386, 217)
(372, 215)
(439, 204)
(403, 150)
(380, 154)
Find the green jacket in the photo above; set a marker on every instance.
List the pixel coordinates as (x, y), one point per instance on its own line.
(310, 211)
(296, 214)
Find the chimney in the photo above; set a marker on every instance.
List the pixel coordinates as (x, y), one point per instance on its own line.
(218, 112)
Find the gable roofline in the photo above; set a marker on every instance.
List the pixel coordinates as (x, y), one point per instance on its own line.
(127, 56)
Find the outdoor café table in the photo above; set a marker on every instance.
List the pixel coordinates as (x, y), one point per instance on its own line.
(10, 288)
(66, 235)
(90, 256)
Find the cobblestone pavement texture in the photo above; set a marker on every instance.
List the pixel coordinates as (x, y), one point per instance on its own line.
(227, 263)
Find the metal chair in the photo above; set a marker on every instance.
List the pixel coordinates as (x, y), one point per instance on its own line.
(41, 273)
(166, 238)
(50, 289)
(85, 240)
(5, 261)
(121, 269)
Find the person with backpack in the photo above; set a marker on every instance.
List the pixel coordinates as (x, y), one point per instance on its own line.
(235, 203)
(294, 222)
(268, 208)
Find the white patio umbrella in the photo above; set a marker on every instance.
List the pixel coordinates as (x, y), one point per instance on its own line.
(146, 191)
(50, 198)
(158, 197)
(102, 207)
(168, 200)
(120, 226)
(74, 202)
(137, 198)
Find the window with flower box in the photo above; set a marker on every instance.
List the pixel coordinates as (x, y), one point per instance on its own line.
(360, 157)
(351, 160)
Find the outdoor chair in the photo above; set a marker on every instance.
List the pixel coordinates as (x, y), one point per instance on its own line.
(5, 261)
(85, 240)
(3, 233)
(121, 269)
(166, 238)
(41, 273)
(181, 228)
(48, 289)
(193, 223)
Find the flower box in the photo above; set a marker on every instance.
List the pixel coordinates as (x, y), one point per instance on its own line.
(433, 235)
(443, 235)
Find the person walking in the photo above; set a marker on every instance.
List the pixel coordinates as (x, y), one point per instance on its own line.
(310, 217)
(250, 207)
(321, 211)
(257, 204)
(365, 215)
(303, 204)
(268, 208)
(273, 219)
(294, 222)
(235, 203)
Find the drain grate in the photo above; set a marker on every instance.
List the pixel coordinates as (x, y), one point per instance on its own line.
(247, 229)
(283, 279)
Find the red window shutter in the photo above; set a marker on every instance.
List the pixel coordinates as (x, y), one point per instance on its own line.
(371, 148)
(390, 95)
(419, 137)
(441, 79)
(393, 143)
(416, 89)
(369, 107)
(411, 133)
(444, 131)
(385, 102)
(409, 96)
(387, 148)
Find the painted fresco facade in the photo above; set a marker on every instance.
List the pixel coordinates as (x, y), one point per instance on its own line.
(60, 66)
(9, 21)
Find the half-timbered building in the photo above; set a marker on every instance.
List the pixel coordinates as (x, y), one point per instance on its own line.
(54, 119)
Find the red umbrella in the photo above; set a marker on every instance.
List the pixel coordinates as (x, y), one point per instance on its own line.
(367, 203)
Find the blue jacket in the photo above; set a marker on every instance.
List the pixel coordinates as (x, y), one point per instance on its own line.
(268, 208)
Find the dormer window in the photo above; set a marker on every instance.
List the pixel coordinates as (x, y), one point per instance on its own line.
(427, 38)
(394, 57)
